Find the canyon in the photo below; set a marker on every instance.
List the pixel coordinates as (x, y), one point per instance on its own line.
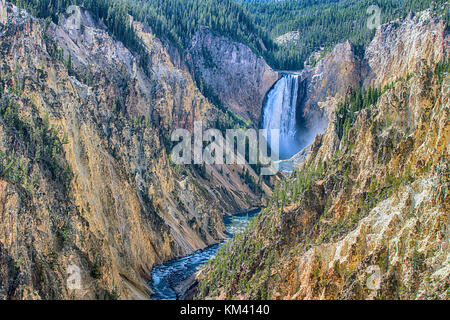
(87, 182)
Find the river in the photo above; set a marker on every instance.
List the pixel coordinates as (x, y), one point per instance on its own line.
(167, 276)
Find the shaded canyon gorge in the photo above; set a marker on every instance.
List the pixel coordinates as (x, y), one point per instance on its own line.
(87, 182)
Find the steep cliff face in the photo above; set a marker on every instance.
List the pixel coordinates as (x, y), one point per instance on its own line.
(234, 73)
(86, 181)
(288, 37)
(366, 214)
(323, 86)
(396, 51)
(329, 80)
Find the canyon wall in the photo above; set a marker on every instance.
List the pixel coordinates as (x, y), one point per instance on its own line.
(87, 184)
(366, 215)
(233, 72)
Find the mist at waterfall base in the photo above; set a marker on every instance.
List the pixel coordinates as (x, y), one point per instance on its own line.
(280, 112)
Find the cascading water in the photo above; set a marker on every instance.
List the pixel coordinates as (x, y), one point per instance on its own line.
(280, 113)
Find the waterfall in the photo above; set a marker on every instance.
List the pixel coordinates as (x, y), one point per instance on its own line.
(280, 113)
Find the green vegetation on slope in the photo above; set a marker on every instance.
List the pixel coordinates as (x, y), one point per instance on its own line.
(324, 23)
(321, 23)
(173, 20)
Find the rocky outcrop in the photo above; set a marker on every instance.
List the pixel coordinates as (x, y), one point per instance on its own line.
(366, 214)
(322, 87)
(400, 46)
(330, 79)
(397, 49)
(87, 186)
(233, 72)
(326, 84)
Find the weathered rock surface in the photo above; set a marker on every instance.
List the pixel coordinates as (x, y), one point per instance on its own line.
(239, 77)
(397, 49)
(325, 85)
(330, 79)
(400, 46)
(288, 37)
